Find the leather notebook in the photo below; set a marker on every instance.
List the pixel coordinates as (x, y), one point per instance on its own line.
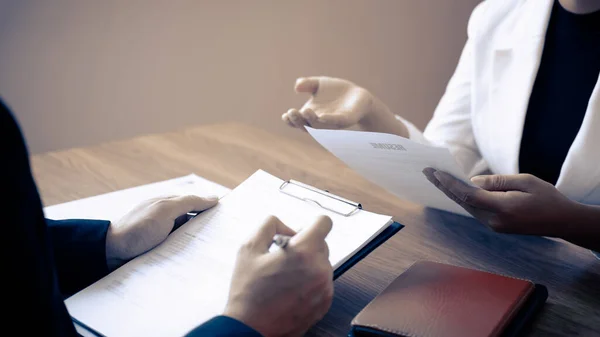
(432, 299)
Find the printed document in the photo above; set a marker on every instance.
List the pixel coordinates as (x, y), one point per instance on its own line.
(184, 281)
(394, 163)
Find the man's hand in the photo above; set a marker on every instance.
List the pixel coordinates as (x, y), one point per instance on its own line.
(284, 292)
(149, 224)
(520, 204)
(336, 103)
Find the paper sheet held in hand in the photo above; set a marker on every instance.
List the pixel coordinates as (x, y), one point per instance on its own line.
(394, 163)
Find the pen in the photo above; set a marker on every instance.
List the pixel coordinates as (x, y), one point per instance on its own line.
(191, 215)
(281, 240)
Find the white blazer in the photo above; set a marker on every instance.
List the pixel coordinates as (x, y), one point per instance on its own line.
(481, 115)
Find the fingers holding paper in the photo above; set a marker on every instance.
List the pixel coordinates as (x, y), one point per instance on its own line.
(520, 204)
(282, 292)
(472, 199)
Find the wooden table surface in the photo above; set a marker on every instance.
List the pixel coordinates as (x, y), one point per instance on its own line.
(229, 153)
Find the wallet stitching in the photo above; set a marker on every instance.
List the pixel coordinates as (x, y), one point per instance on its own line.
(382, 328)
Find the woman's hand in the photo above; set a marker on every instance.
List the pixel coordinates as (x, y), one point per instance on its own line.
(149, 224)
(520, 204)
(523, 204)
(340, 104)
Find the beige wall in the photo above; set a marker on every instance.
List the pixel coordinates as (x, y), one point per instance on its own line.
(80, 72)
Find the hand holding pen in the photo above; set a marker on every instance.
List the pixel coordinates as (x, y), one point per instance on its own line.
(261, 288)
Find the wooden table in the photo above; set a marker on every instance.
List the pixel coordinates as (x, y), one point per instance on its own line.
(229, 153)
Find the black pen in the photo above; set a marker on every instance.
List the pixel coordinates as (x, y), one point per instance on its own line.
(281, 240)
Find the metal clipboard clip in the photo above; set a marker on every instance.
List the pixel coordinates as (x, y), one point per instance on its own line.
(323, 199)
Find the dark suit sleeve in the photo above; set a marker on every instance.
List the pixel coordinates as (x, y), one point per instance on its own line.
(223, 326)
(79, 252)
(30, 284)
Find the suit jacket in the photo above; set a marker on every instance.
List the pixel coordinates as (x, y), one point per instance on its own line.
(47, 261)
(481, 115)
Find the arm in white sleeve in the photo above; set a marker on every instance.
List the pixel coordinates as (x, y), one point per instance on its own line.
(451, 125)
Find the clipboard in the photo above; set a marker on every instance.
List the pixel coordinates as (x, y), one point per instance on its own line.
(319, 198)
(338, 205)
(341, 206)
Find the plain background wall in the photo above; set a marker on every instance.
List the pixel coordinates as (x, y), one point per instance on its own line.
(80, 72)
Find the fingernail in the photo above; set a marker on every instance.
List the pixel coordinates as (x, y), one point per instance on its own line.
(478, 180)
(428, 170)
(212, 197)
(437, 175)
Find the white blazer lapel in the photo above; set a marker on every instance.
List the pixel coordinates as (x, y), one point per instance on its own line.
(580, 174)
(516, 58)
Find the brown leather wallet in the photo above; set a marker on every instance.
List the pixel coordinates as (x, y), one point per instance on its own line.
(433, 299)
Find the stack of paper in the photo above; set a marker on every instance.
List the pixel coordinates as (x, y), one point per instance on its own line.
(185, 281)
